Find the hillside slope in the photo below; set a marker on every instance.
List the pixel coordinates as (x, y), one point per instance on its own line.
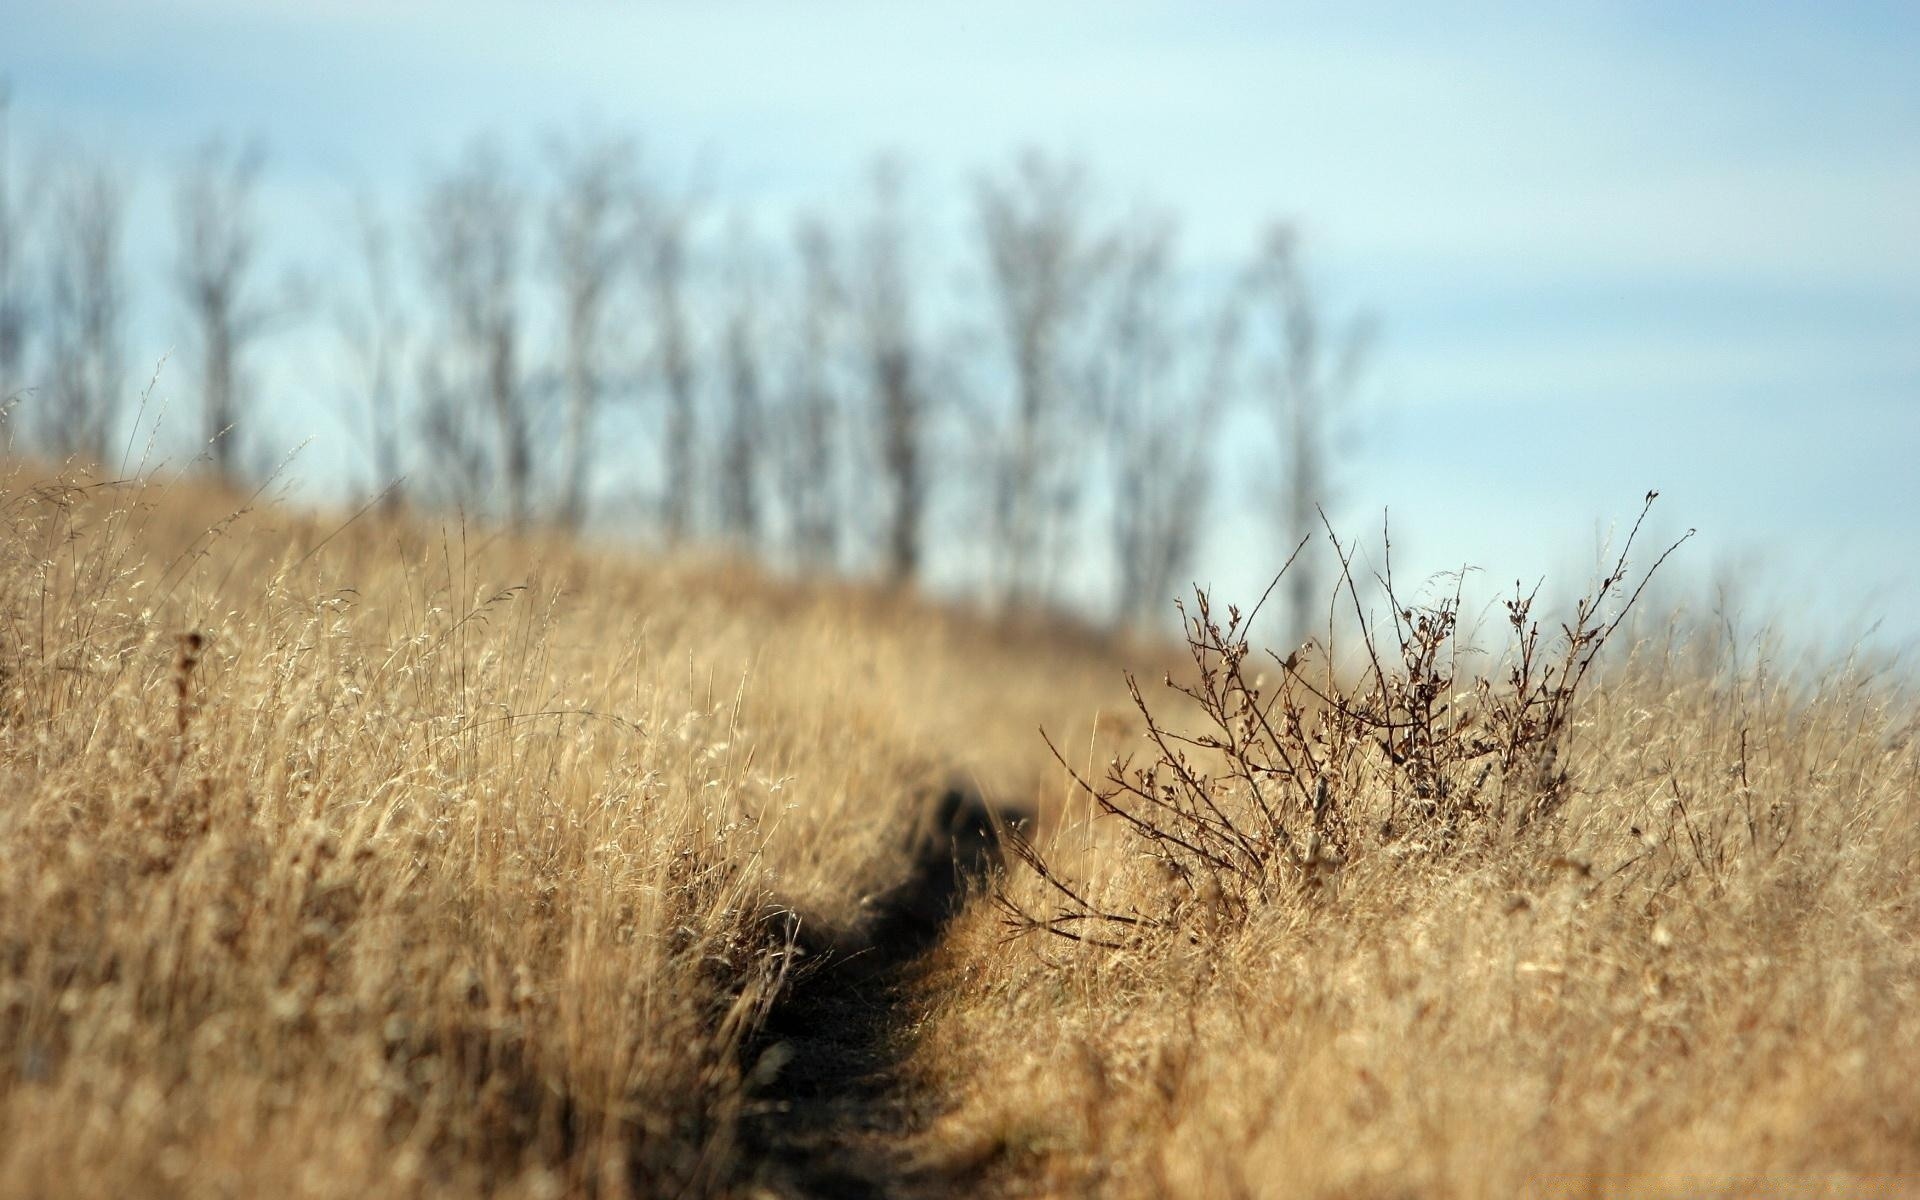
(351, 857)
(348, 857)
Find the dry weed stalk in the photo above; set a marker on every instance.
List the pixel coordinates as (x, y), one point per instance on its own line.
(1279, 787)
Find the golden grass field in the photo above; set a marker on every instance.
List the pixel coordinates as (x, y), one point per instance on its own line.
(395, 858)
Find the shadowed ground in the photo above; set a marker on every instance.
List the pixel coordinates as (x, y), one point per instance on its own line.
(829, 1115)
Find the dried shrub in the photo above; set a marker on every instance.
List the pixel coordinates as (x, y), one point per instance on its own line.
(1267, 790)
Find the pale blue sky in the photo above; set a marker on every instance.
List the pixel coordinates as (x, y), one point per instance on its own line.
(1611, 247)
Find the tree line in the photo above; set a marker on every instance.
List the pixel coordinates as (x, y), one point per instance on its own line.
(571, 336)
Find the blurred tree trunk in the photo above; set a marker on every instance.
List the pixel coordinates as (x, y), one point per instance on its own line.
(374, 331)
(1161, 388)
(811, 464)
(471, 225)
(86, 311)
(587, 241)
(892, 355)
(216, 256)
(664, 265)
(1309, 379)
(1042, 262)
(739, 493)
(15, 305)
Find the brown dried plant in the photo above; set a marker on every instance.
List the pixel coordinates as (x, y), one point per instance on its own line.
(1262, 788)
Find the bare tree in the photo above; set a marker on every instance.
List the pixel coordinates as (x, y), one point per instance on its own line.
(588, 239)
(471, 226)
(458, 460)
(1162, 388)
(373, 328)
(810, 459)
(666, 226)
(895, 373)
(743, 431)
(1042, 261)
(13, 276)
(86, 309)
(1310, 374)
(218, 248)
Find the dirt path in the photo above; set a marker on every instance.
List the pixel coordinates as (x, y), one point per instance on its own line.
(832, 1116)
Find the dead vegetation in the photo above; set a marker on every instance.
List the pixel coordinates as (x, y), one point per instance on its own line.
(390, 860)
(1278, 788)
(1570, 923)
(370, 858)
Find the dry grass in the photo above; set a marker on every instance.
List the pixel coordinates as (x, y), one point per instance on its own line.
(402, 861)
(391, 860)
(1669, 948)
